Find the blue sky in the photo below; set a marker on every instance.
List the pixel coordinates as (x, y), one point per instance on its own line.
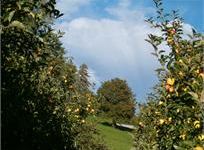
(108, 36)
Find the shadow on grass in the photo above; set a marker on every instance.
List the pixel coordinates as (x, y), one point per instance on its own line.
(107, 123)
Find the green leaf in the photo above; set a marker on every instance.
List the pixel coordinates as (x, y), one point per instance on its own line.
(155, 54)
(17, 24)
(11, 15)
(19, 5)
(194, 95)
(178, 147)
(32, 14)
(40, 39)
(202, 96)
(161, 51)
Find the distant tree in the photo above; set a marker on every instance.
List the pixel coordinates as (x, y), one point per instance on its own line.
(117, 99)
(83, 78)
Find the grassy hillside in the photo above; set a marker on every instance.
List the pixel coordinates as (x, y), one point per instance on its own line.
(115, 139)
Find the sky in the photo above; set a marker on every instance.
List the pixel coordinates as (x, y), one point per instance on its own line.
(109, 36)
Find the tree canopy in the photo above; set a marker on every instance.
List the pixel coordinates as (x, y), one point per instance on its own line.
(117, 99)
(41, 105)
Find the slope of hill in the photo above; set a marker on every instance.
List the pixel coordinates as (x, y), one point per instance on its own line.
(114, 138)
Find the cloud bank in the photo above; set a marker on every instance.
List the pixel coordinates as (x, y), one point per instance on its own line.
(114, 46)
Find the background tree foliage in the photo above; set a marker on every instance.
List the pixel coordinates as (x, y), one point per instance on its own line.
(41, 105)
(117, 100)
(83, 78)
(173, 117)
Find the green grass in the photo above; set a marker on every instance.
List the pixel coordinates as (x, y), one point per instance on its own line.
(114, 138)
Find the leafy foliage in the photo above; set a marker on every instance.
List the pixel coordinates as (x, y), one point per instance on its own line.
(117, 100)
(42, 106)
(173, 117)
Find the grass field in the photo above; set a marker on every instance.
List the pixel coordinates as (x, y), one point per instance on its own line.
(115, 139)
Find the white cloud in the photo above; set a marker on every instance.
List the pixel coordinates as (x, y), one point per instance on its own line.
(123, 11)
(68, 7)
(124, 3)
(114, 47)
(187, 29)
